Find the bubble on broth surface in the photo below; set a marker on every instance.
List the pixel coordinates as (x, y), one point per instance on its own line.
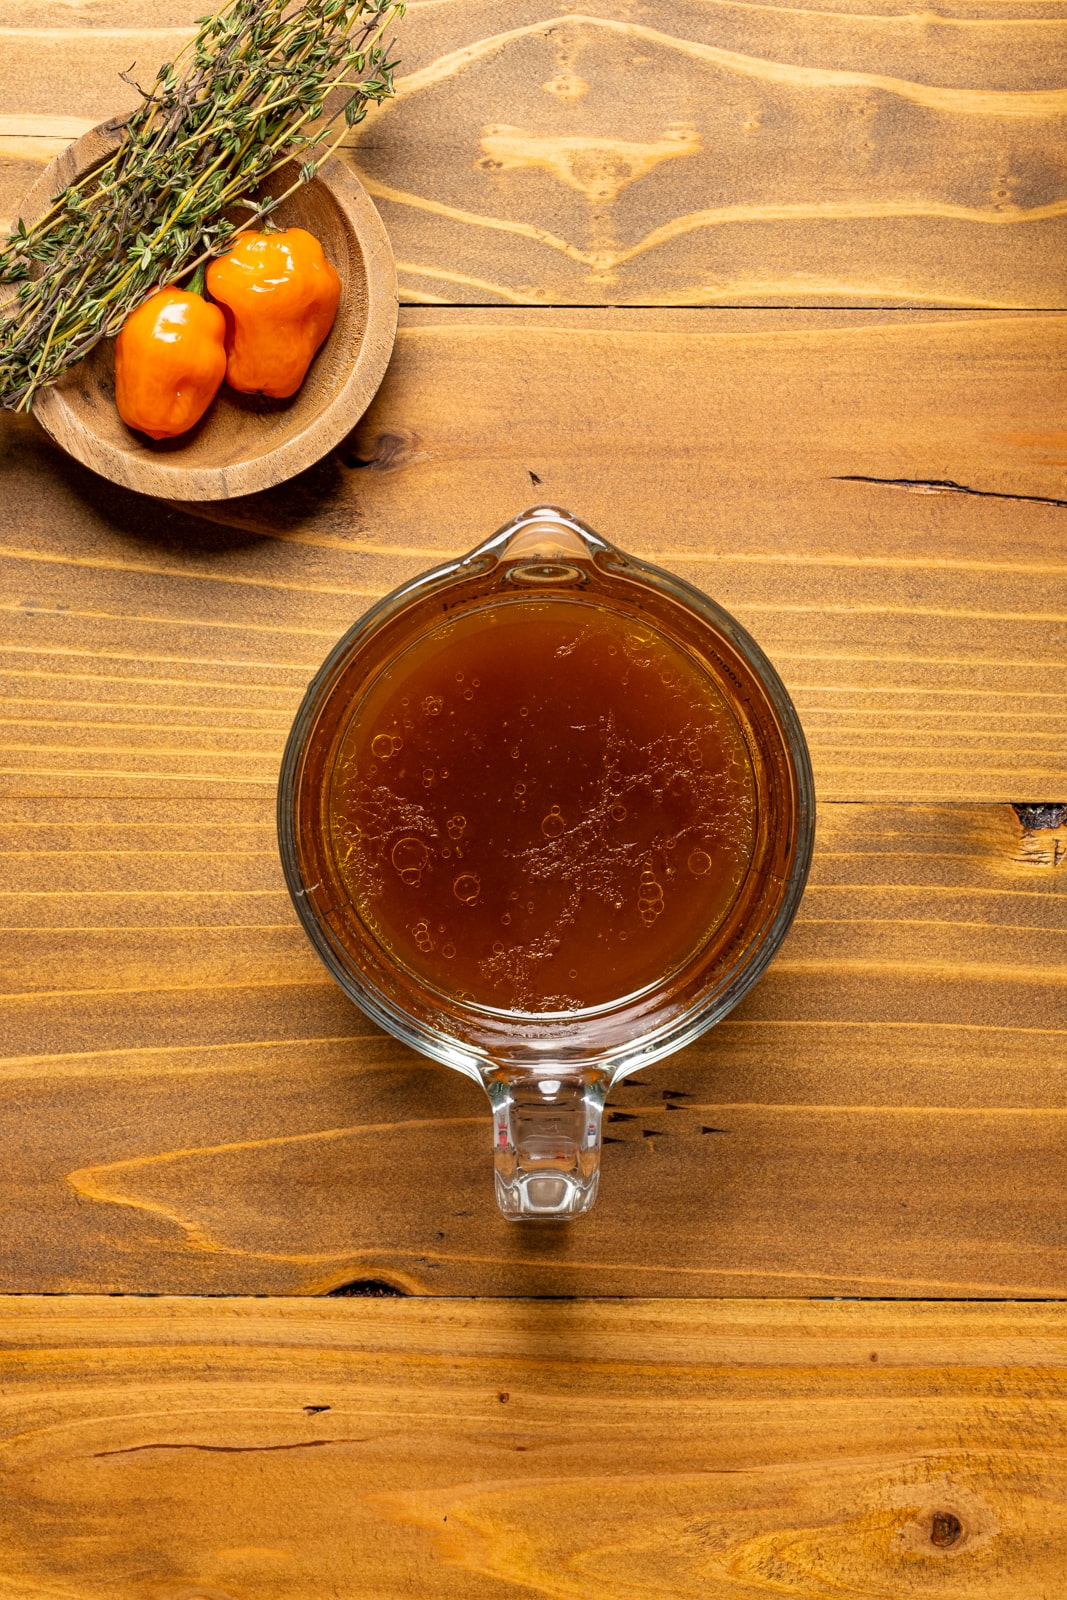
(650, 896)
(409, 857)
(467, 887)
(552, 825)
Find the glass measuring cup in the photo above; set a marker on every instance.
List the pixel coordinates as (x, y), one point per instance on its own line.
(383, 875)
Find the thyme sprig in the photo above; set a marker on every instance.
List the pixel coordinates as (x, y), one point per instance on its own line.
(263, 83)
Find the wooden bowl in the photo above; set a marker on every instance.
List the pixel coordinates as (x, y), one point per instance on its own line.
(245, 442)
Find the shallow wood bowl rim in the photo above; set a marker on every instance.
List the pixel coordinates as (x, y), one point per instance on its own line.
(164, 474)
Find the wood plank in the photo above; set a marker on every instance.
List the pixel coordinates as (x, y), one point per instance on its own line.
(878, 496)
(706, 153)
(384, 1449)
(190, 1105)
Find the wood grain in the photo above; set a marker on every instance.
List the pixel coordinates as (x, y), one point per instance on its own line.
(708, 152)
(879, 497)
(189, 1104)
(476, 1450)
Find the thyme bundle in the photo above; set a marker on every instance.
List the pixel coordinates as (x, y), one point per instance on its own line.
(262, 83)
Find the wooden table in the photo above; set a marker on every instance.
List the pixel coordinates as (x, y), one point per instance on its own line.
(773, 296)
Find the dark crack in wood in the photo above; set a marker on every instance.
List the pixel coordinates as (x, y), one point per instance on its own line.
(367, 1288)
(945, 486)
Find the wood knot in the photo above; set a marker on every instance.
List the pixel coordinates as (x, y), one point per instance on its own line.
(946, 1529)
(932, 1532)
(1044, 833)
(389, 452)
(1046, 814)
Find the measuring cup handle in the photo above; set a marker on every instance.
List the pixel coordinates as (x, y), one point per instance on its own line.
(546, 1143)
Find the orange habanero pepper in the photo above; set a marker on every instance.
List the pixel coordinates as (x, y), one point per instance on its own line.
(280, 296)
(170, 358)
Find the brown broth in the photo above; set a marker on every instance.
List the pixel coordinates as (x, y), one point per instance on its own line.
(542, 806)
